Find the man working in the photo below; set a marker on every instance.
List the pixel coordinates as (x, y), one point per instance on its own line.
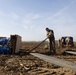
(50, 36)
(67, 40)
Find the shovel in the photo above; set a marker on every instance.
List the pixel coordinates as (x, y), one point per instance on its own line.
(38, 45)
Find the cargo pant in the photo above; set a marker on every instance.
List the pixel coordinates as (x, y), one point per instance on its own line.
(52, 45)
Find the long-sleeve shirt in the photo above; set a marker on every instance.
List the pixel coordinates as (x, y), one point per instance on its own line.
(50, 33)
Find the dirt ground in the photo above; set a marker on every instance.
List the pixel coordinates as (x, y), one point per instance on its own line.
(26, 64)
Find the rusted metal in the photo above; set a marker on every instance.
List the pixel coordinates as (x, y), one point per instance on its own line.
(56, 61)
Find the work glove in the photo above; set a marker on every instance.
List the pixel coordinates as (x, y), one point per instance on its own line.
(48, 36)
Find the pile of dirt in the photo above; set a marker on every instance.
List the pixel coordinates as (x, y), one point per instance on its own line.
(29, 65)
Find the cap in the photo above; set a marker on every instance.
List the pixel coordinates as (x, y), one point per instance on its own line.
(47, 28)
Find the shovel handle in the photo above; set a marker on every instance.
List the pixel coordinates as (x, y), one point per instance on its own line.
(39, 44)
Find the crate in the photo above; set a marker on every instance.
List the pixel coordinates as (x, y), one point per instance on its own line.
(15, 41)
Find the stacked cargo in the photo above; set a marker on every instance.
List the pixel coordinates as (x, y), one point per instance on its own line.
(4, 45)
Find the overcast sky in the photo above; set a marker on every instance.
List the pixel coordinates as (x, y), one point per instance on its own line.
(29, 18)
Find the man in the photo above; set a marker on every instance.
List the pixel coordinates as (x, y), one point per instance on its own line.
(61, 41)
(50, 36)
(67, 40)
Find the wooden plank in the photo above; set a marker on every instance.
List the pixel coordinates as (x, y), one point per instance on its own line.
(57, 61)
(18, 41)
(71, 52)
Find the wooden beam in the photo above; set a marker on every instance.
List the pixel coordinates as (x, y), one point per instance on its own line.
(56, 61)
(71, 52)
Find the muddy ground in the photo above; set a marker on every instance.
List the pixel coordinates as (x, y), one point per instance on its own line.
(26, 64)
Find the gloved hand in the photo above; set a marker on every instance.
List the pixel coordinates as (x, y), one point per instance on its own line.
(48, 36)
